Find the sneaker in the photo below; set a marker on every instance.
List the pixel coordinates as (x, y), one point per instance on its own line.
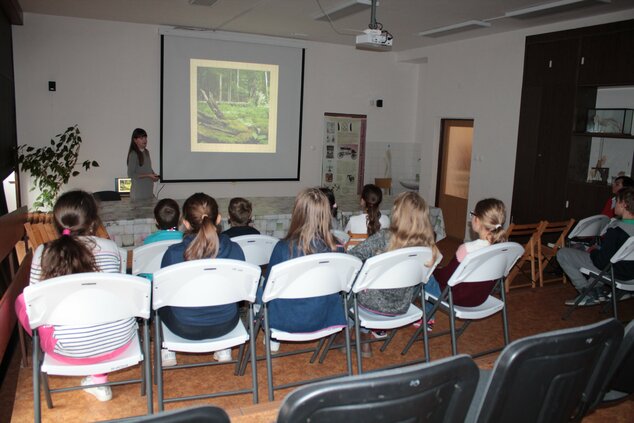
(168, 358)
(275, 346)
(430, 324)
(102, 393)
(223, 356)
(585, 302)
(379, 334)
(625, 296)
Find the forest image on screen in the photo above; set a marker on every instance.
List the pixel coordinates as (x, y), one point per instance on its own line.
(233, 106)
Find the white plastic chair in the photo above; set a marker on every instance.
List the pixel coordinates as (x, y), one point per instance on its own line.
(257, 249)
(88, 299)
(309, 276)
(123, 256)
(590, 227)
(147, 258)
(202, 283)
(341, 236)
(489, 263)
(403, 268)
(607, 277)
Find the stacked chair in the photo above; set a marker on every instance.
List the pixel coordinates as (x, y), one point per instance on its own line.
(533, 233)
(547, 251)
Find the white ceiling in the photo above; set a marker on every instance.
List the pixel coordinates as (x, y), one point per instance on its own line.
(294, 18)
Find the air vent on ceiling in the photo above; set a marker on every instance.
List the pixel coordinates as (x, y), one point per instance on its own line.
(343, 9)
(202, 2)
(552, 7)
(452, 29)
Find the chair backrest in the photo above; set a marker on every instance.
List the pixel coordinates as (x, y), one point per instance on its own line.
(312, 276)
(551, 377)
(440, 391)
(562, 228)
(402, 268)
(257, 249)
(207, 282)
(384, 184)
(625, 253)
(354, 239)
(589, 227)
(531, 230)
(123, 256)
(488, 263)
(201, 414)
(87, 299)
(620, 376)
(41, 229)
(147, 258)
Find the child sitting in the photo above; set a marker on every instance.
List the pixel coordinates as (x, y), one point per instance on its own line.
(77, 250)
(240, 210)
(487, 220)
(166, 216)
(371, 220)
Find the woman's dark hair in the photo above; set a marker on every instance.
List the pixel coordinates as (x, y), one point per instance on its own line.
(240, 210)
(167, 214)
(372, 197)
(137, 133)
(201, 211)
(74, 214)
(626, 181)
(331, 199)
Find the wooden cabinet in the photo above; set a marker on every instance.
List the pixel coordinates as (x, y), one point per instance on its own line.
(562, 71)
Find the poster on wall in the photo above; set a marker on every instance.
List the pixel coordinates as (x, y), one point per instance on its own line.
(344, 153)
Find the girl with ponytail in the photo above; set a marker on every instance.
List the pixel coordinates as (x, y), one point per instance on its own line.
(77, 250)
(371, 221)
(201, 240)
(487, 220)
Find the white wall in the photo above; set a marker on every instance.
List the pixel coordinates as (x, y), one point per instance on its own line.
(108, 82)
(480, 79)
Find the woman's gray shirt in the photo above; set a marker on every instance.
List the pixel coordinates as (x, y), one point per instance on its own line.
(142, 188)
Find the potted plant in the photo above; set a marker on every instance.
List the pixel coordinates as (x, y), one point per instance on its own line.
(52, 166)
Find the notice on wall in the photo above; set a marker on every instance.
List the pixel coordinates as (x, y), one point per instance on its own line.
(344, 153)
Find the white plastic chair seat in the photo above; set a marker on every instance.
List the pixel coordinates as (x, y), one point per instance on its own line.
(131, 356)
(304, 336)
(488, 308)
(257, 249)
(147, 258)
(173, 342)
(378, 321)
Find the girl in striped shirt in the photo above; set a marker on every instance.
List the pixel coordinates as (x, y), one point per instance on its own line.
(77, 250)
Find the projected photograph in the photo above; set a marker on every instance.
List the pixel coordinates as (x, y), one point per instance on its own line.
(233, 106)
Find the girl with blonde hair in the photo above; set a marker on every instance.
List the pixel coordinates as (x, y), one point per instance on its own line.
(309, 233)
(487, 220)
(201, 241)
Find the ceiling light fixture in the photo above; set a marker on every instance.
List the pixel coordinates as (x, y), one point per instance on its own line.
(552, 7)
(451, 29)
(343, 9)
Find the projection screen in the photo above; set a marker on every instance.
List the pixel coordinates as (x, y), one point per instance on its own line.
(231, 110)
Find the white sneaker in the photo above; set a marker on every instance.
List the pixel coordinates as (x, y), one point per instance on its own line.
(275, 346)
(102, 393)
(168, 358)
(223, 355)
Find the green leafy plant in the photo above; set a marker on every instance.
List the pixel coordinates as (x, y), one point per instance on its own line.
(52, 166)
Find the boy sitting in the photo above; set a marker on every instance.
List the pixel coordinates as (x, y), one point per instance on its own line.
(240, 210)
(571, 259)
(166, 215)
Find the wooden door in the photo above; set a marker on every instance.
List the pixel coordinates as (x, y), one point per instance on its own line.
(454, 170)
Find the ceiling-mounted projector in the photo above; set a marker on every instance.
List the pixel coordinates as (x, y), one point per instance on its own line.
(374, 40)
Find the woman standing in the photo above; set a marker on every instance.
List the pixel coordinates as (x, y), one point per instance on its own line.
(140, 167)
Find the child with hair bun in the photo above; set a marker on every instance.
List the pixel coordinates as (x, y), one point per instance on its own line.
(77, 250)
(487, 220)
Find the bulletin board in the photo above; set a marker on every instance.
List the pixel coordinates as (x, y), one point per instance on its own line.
(343, 153)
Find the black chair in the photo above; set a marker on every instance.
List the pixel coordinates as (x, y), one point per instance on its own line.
(106, 196)
(433, 392)
(620, 379)
(551, 377)
(202, 414)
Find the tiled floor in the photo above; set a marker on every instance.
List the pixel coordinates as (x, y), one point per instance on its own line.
(531, 311)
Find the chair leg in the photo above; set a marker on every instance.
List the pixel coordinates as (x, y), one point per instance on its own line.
(158, 364)
(423, 324)
(581, 296)
(331, 340)
(357, 335)
(37, 406)
(254, 363)
(147, 367)
(452, 326)
(47, 390)
(24, 361)
(615, 300)
(346, 333)
(269, 364)
(505, 322)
